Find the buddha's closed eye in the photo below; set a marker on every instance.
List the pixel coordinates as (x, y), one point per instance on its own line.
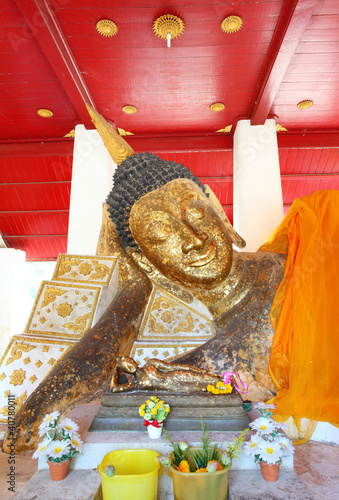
(158, 230)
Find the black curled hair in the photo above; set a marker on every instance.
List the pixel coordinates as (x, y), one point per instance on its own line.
(136, 176)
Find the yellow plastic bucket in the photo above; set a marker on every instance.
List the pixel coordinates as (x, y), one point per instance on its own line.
(199, 486)
(136, 475)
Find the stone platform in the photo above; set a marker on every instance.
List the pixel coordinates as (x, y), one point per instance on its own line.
(77, 485)
(250, 485)
(242, 485)
(119, 411)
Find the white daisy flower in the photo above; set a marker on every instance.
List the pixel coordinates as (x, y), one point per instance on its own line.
(270, 452)
(263, 425)
(251, 446)
(42, 448)
(68, 426)
(76, 442)
(286, 444)
(59, 448)
(49, 420)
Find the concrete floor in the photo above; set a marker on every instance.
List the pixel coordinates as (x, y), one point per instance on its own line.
(316, 464)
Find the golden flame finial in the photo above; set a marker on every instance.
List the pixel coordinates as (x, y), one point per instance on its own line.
(117, 147)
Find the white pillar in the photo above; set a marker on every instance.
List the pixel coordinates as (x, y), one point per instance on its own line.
(12, 279)
(91, 182)
(257, 195)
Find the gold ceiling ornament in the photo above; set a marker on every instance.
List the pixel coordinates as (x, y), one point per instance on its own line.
(306, 104)
(231, 24)
(107, 28)
(129, 110)
(45, 113)
(168, 27)
(117, 147)
(123, 132)
(71, 133)
(225, 130)
(217, 106)
(280, 128)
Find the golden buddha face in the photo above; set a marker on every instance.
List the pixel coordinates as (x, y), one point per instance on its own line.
(180, 233)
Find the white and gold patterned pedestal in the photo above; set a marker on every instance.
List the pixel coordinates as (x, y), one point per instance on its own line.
(65, 308)
(24, 364)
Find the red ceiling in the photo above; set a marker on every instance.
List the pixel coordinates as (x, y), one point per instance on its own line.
(51, 56)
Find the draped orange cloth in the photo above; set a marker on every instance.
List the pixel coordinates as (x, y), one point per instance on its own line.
(305, 313)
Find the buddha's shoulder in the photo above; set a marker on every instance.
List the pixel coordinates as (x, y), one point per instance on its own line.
(272, 261)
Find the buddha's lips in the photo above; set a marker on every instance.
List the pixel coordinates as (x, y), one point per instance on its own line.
(204, 259)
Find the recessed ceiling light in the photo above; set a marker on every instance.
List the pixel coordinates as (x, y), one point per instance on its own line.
(231, 24)
(45, 113)
(107, 28)
(129, 110)
(217, 106)
(306, 104)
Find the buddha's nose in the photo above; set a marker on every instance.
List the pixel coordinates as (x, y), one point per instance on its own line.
(193, 241)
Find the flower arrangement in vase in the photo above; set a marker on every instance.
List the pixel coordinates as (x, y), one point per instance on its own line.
(207, 458)
(268, 446)
(154, 413)
(61, 442)
(200, 472)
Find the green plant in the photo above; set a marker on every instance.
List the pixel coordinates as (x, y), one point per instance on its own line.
(208, 459)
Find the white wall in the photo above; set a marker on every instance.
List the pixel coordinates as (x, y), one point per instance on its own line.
(257, 195)
(91, 182)
(12, 282)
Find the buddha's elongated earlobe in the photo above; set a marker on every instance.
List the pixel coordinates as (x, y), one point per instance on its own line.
(235, 237)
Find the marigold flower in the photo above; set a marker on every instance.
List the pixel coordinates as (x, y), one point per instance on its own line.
(184, 466)
(210, 388)
(219, 384)
(153, 411)
(203, 469)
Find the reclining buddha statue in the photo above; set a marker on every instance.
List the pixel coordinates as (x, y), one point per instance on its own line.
(165, 224)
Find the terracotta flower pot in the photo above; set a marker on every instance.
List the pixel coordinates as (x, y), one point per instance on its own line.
(58, 471)
(270, 472)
